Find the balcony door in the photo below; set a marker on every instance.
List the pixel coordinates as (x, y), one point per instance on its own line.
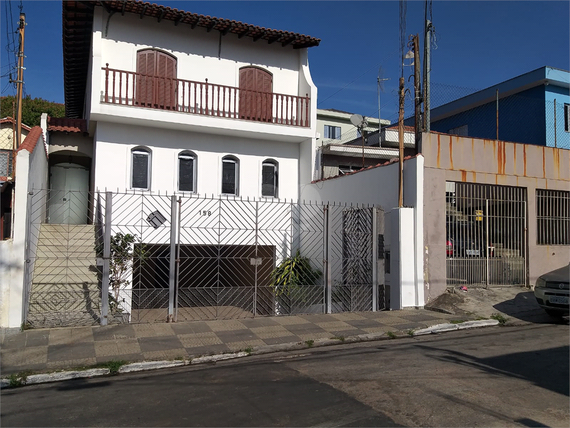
(256, 94)
(156, 79)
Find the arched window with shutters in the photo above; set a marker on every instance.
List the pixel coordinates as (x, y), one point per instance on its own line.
(269, 178)
(187, 171)
(140, 168)
(255, 94)
(156, 79)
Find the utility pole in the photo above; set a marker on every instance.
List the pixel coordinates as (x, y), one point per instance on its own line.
(427, 70)
(401, 145)
(20, 79)
(417, 94)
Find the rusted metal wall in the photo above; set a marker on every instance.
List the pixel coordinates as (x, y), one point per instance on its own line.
(471, 160)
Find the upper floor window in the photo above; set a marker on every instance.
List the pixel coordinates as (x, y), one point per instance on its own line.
(269, 178)
(567, 117)
(156, 79)
(140, 168)
(255, 94)
(461, 131)
(332, 132)
(230, 176)
(187, 172)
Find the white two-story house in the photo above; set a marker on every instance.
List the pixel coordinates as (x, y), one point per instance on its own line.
(181, 102)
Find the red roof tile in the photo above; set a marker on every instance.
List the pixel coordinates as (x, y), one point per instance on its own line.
(65, 124)
(11, 120)
(391, 161)
(31, 140)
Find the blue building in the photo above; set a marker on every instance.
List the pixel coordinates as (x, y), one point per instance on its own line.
(534, 108)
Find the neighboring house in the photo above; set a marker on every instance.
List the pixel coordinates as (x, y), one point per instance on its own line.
(533, 108)
(7, 133)
(334, 127)
(7, 150)
(353, 155)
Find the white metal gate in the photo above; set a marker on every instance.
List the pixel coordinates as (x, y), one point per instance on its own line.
(486, 234)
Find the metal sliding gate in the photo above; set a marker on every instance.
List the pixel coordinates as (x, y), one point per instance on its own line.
(175, 258)
(486, 234)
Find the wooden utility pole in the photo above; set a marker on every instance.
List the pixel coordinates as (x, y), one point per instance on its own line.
(427, 69)
(417, 94)
(401, 145)
(20, 79)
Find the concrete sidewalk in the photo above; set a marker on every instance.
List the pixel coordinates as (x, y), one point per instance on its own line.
(45, 350)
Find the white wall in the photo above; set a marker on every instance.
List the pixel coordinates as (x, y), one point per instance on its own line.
(113, 160)
(32, 173)
(199, 57)
(379, 186)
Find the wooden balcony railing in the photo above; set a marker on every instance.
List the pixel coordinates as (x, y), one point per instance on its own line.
(204, 98)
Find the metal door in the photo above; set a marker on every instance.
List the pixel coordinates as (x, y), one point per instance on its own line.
(486, 234)
(69, 187)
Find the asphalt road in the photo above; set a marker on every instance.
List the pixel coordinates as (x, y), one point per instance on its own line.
(501, 376)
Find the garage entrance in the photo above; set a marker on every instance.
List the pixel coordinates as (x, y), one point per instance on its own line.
(486, 234)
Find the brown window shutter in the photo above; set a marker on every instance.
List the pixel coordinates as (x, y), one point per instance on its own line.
(145, 69)
(166, 73)
(156, 74)
(256, 87)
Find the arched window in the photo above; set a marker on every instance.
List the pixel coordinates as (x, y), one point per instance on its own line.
(140, 168)
(187, 171)
(156, 79)
(256, 94)
(230, 176)
(269, 178)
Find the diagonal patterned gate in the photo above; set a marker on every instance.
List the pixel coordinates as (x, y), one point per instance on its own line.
(157, 258)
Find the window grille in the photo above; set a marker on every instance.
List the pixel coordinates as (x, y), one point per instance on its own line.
(553, 217)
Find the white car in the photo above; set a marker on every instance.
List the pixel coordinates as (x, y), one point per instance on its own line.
(552, 291)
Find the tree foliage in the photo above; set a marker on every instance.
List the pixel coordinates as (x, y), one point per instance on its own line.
(32, 109)
(293, 273)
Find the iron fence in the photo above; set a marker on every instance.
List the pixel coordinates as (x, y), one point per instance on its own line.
(161, 258)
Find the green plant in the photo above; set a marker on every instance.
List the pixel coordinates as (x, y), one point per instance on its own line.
(341, 338)
(499, 317)
(391, 334)
(310, 343)
(410, 332)
(26, 326)
(248, 350)
(292, 275)
(113, 366)
(18, 379)
(124, 252)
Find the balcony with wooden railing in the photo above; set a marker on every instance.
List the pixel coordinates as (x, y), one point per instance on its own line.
(133, 89)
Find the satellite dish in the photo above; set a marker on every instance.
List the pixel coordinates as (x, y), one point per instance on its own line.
(356, 120)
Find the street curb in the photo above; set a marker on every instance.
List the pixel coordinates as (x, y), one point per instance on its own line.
(258, 350)
(441, 328)
(56, 377)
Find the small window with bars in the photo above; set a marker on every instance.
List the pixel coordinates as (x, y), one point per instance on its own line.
(5, 163)
(567, 117)
(553, 217)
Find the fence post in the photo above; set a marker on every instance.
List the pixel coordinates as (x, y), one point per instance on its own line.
(374, 263)
(555, 142)
(172, 270)
(326, 265)
(256, 257)
(106, 258)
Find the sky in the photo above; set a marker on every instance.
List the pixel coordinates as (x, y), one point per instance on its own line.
(476, 45)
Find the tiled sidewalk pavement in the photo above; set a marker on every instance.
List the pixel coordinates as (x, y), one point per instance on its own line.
(46, 350)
